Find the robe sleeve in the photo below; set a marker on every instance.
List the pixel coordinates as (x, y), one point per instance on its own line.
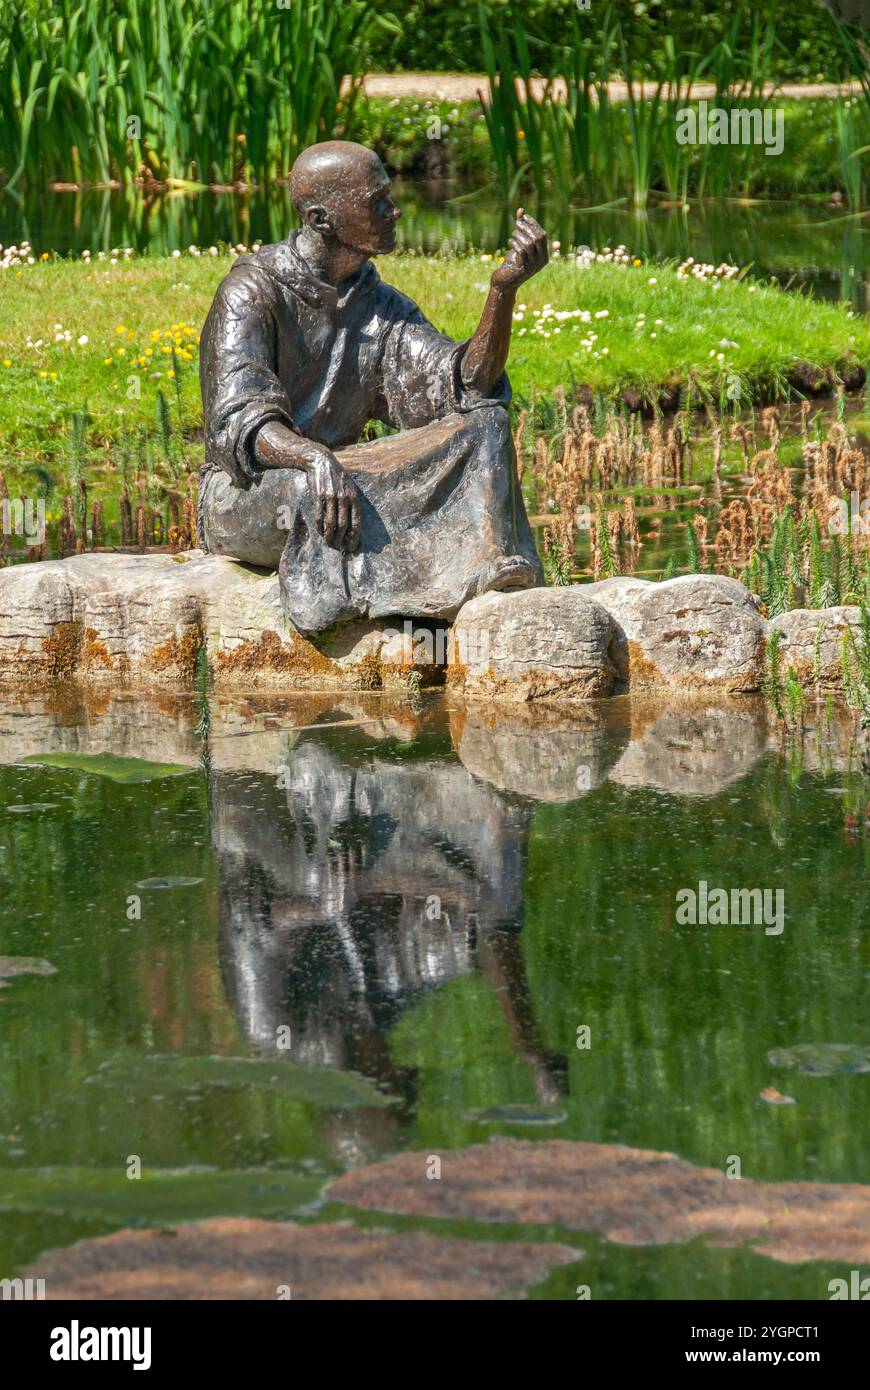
(241, 390)
(422, 373)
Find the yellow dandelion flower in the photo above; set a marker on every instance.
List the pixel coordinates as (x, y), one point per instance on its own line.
(120, 328)
(170, 372)
(122, 352)
(7, 362)
(149, 352)
(107, 361)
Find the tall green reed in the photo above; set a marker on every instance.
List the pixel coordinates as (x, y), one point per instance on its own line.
(93, 89)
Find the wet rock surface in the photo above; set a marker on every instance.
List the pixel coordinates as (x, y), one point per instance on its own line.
(632, 1196)
(251, 1259)
(143, 619)
(538, 644)
(694, 633)
(812, 642)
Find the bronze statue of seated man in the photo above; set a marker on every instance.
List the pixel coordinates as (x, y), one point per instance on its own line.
(303, 346)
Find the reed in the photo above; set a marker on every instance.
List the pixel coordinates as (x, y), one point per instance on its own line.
(588, 144)
(97, 90)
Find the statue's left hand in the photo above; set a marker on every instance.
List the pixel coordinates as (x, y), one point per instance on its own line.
(527, 255)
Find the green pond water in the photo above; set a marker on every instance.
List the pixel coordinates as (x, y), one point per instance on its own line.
(808, 244)
(426, 907)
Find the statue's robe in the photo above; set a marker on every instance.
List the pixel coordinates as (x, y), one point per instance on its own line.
(440, 501)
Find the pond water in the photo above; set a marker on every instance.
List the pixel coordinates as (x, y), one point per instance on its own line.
(805, 244)
(402, 924)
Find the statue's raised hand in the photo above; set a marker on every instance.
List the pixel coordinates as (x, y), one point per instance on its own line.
(336, 500)
(527, 255)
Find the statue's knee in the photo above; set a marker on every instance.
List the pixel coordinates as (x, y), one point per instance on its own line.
(291, 496)
(490, 425)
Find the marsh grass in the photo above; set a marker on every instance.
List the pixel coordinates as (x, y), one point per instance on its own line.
(589, 145)
(97, 90)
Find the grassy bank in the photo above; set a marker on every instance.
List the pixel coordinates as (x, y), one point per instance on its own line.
(111, 339)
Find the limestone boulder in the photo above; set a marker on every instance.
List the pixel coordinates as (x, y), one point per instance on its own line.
(812, 643)
(535, 644)
(143, 619)
(692, 634)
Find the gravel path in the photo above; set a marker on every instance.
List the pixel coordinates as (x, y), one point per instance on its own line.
(464, 86)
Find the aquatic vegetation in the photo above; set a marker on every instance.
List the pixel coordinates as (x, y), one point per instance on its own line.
(565, 131)
(161, 1196)
(855, 661)
(102, 91)
(118, 769)
(324, 1087)
(11, 966)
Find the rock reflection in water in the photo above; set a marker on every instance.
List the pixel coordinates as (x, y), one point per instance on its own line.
(354, 881)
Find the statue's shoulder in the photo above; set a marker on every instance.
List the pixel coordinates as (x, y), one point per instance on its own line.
(248, 280)
(395, 307)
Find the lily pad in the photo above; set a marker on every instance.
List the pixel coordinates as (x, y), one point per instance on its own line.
(519, 1115)
(178, 881)
(319, 1086)
(823, 1059)
(159, 1197)
(110, 765)
(25, 965)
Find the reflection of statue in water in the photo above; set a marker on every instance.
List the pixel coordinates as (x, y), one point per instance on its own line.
(355, 886)
(303, 346)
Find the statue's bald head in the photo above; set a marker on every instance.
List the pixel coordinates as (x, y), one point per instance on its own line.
(342, 192)
(333, 171)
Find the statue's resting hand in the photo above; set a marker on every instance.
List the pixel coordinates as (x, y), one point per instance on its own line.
(336, 499)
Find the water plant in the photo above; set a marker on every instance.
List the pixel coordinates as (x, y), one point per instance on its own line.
(855, 666)
(227, 90)
(553, 120)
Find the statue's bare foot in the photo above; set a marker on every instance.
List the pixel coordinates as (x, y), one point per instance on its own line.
(505, 573)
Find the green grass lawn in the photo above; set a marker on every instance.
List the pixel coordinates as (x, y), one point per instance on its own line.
(102, 337)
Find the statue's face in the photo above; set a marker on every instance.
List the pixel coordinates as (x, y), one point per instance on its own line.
(361, 213)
